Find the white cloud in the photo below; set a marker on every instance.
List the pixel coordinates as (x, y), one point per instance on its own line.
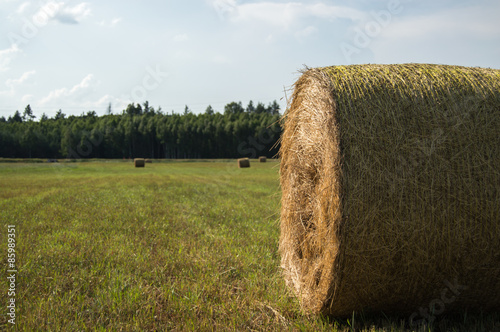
(101, 104)
(181, 37)
(114, 22)
(7, 93)
(22, 7)
(224, 8)
(20, 80)
(221, 59)
(7, 55)
(334, 12)
(455, 34)
(284, 14)
(444, 24)
(84, 84)
(62, 13)
(27, 99)
(65, 95)
(13, 82)
(82, 96)
(272, 18)
(306, 32)
(54, 95)
(450, 22)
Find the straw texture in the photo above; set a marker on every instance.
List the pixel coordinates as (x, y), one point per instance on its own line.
(243, 163)
(390, 189)
(139, 162)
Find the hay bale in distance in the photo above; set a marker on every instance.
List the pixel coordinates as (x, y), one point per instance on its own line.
(139, 162)
(390, 175)
(243, 163)
(262, 159)
(148, 161)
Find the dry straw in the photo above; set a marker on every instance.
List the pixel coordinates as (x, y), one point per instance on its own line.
(262, 159)
(243, 163)
(390, 177)
(139, 162)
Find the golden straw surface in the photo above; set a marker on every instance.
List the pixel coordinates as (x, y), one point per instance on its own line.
(243, 163)
(139, 162)
(390, 177)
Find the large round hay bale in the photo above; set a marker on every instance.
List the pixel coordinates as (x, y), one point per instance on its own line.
(390, 178)
(243, 163)
(262, 159)
(148, 161)
(139, 162)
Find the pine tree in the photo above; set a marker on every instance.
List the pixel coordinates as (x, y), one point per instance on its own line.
(60, 115)
(16, 118)
(28, 114)
(209, 110)
(250, 107)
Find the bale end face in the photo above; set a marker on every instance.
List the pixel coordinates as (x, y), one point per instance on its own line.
(262, 159)
(243, 163)
(139, 162)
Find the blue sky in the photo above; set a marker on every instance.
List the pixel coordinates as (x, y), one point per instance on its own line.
(80, 56)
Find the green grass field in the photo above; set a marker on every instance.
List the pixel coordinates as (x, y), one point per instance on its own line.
(173, 246)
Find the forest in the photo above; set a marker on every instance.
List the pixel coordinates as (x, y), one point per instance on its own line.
(141, 131)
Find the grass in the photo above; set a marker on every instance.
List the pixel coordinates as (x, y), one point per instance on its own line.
(104, 246)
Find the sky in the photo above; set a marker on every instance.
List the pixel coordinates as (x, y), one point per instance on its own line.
(83, 56)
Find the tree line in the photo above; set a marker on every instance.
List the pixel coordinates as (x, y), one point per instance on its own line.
(141, 131)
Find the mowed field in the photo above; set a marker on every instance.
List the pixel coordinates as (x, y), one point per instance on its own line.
(173, 246)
